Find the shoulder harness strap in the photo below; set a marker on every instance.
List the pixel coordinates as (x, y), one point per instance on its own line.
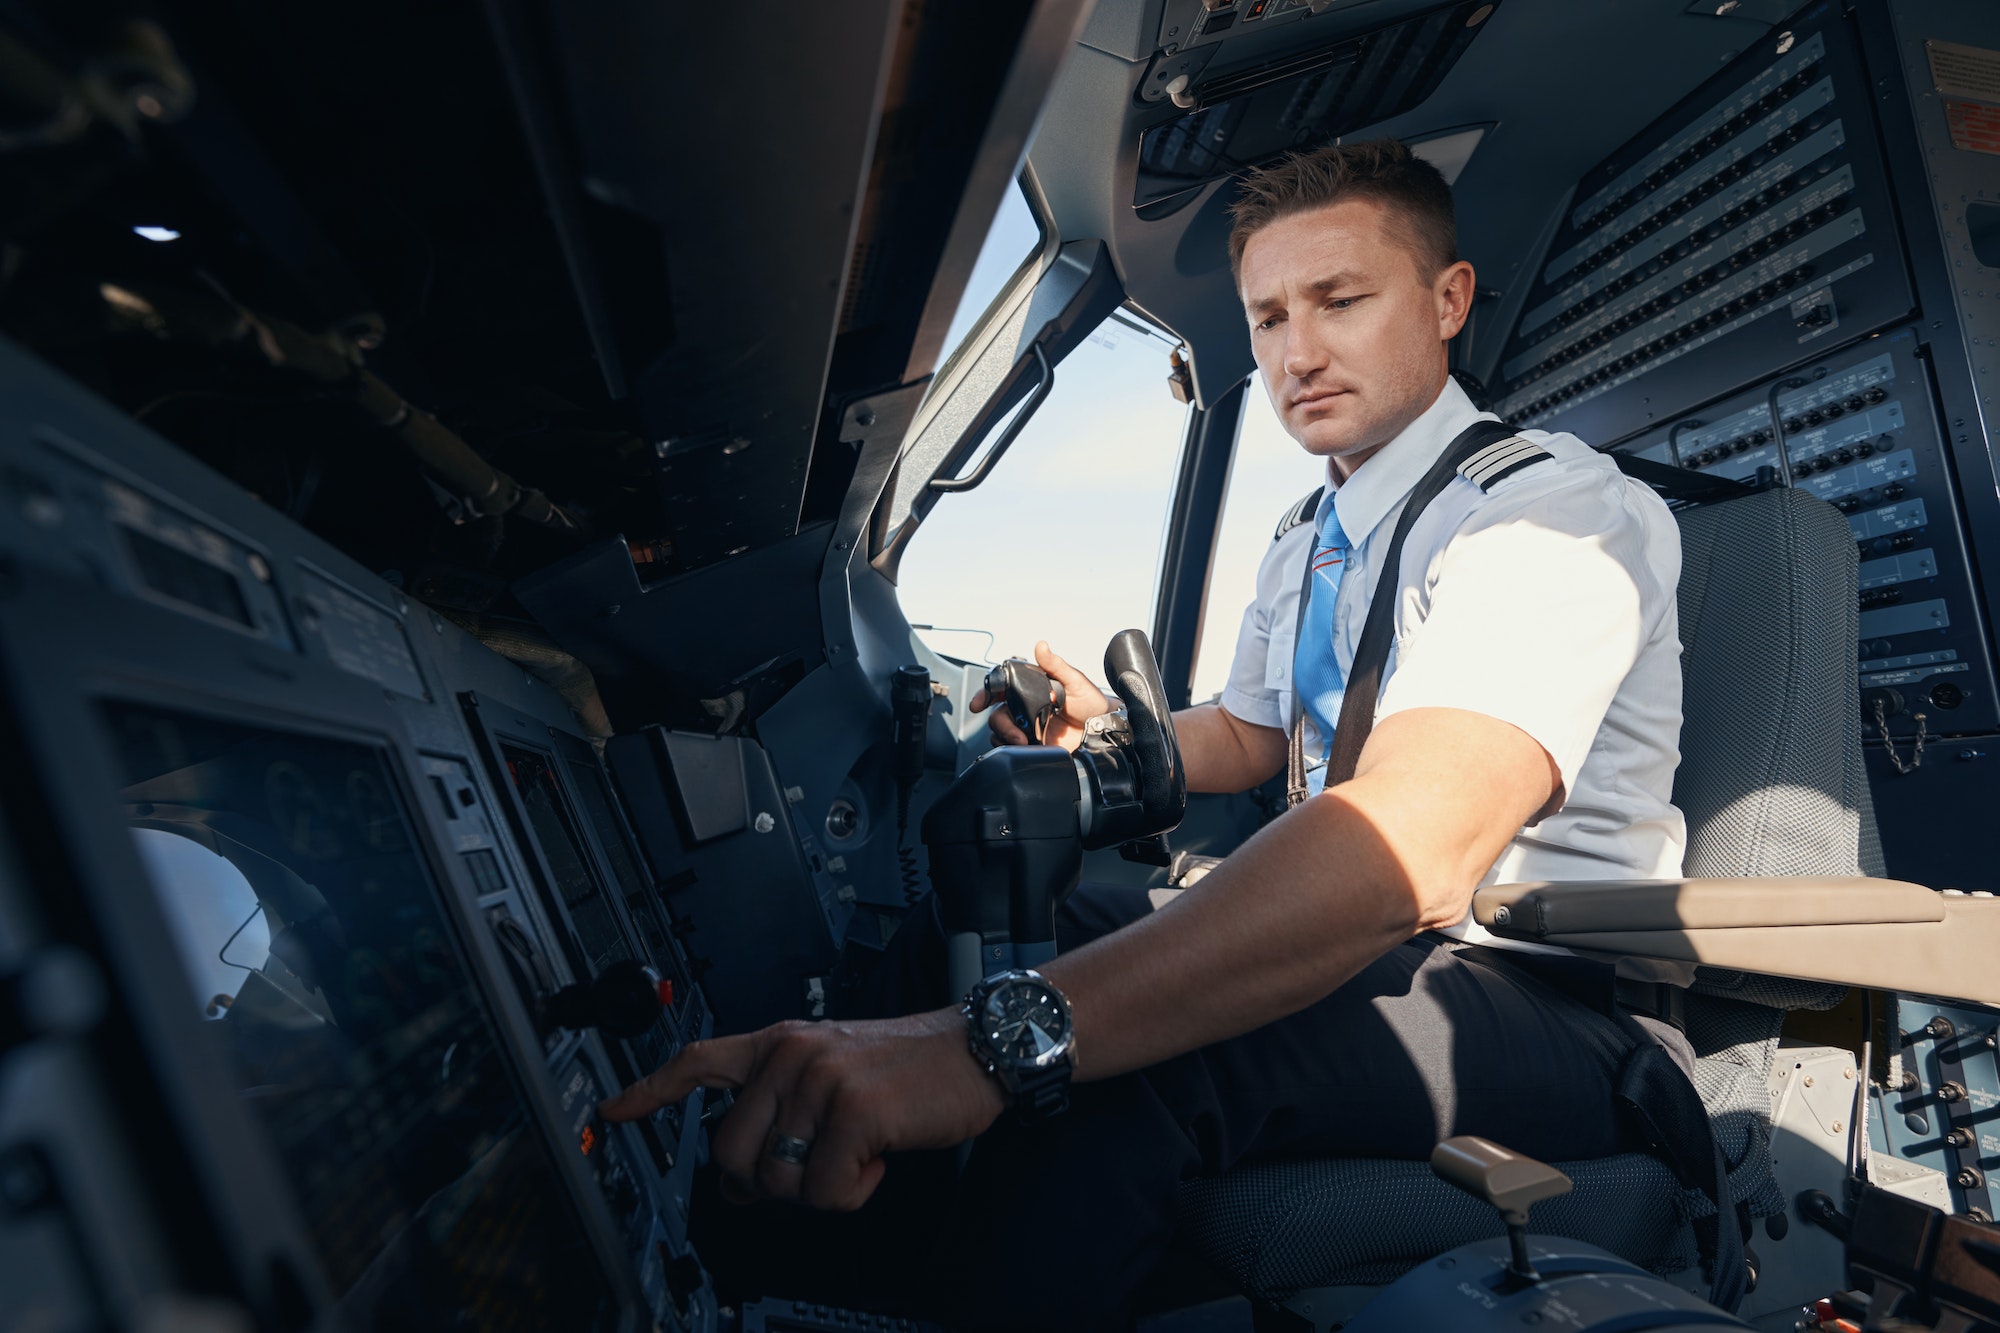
(1298, 513)
(1500, 460)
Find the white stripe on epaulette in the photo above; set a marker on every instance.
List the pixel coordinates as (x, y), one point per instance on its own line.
(1298, 513)
(1500, 460)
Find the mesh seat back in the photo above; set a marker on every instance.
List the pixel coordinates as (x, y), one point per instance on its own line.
(1770, 778)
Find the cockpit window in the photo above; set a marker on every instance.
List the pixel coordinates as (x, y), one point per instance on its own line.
(1016, 239)
(1268, 473)
(1062, 541)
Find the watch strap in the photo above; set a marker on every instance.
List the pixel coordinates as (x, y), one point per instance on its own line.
(1043, 1095)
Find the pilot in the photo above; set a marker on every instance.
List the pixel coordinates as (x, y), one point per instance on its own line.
(1322, 991)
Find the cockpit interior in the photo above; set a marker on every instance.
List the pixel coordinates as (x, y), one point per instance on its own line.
(506, 509)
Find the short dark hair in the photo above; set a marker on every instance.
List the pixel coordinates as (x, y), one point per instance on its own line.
(1385, 170)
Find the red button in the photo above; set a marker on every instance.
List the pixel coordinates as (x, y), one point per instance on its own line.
(666, 992)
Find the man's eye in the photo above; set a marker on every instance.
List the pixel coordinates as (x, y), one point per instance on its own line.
(1270, 323)
(1344, 302)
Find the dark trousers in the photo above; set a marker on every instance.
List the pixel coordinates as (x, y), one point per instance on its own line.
(1057, 1226)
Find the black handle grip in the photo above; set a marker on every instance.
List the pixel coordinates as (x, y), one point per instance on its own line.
(909, 714)
(1031, 696)
(625, 1000)
(1130, 667)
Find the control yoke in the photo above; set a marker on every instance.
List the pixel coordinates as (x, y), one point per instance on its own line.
(1007, 837)
(1135, 786)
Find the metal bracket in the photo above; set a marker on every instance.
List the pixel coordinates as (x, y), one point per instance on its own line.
(1170, 64)
(881, 416)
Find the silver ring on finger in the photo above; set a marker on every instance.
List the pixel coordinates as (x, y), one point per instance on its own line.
(791, 1151)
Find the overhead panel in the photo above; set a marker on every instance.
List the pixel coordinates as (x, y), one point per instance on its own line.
(1191, 23)
(1747, 228)
(1241, 117)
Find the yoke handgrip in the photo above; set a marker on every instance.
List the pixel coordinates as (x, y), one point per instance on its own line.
(1133, 673)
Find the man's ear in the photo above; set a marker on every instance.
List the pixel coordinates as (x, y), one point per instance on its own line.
(1453, 289)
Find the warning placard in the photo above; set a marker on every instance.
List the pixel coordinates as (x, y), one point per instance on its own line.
(1965, 71)
(1975, 126)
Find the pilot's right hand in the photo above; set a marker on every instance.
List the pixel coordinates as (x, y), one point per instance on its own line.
(1082, 700)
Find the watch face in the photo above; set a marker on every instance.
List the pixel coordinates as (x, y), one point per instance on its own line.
(1025, 1024)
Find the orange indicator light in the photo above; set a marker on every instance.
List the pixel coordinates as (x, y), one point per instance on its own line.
(588, 1141)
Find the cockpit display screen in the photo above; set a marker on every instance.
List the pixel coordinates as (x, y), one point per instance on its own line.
(295, 895)
(556, 831)
(590, 910)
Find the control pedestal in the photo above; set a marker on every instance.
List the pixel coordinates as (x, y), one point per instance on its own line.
(1007, 837)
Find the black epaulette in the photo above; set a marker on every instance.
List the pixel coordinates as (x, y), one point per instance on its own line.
(1500, 460)
(1298, 513)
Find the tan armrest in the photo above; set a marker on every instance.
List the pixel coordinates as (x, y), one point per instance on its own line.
(1947, 951)
(1536, 911)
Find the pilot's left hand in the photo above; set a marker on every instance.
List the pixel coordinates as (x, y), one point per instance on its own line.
(851, 1091)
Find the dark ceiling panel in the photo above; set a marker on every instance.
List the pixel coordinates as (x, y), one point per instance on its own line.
(744, 139)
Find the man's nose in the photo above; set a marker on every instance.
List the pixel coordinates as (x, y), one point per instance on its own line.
(1304, 351)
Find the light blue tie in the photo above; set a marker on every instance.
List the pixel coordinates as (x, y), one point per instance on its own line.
(1316, 673)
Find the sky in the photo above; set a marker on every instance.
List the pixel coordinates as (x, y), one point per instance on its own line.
(1063, 541)
(205, 900)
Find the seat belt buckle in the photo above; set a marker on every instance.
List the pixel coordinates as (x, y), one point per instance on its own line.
(1660, 1000)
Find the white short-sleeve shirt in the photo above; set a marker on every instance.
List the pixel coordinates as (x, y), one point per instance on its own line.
(1546, 601)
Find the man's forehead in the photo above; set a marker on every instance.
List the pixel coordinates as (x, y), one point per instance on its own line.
(1263, 298)
(1351, 238)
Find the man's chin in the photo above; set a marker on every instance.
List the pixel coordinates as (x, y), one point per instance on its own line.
(1326, 439)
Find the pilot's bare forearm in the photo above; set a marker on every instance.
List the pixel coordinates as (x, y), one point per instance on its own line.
(1223, 753)
(1312, 899)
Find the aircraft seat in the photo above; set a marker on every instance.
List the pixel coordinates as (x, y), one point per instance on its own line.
(1781, 834)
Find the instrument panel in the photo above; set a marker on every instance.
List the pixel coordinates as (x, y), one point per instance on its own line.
(337, 859)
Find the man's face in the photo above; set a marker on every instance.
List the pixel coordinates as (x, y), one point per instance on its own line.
(1348, 329)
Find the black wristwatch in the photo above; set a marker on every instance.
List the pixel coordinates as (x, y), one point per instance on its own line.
(1019, 1028)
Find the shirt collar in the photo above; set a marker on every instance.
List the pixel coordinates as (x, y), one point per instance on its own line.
(1381, 482)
